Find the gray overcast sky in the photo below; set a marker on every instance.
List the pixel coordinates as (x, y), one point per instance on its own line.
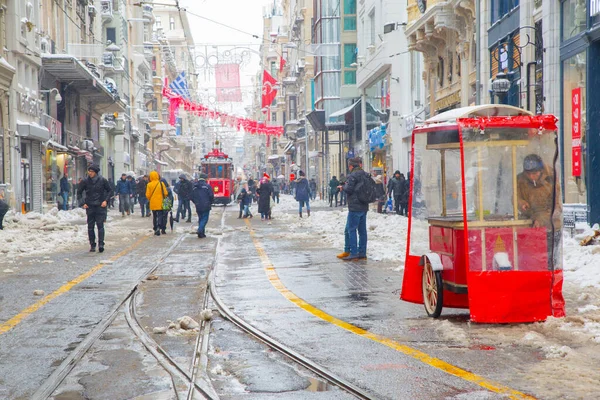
(245, 15)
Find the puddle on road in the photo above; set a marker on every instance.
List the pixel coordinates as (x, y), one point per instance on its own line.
(317, 385)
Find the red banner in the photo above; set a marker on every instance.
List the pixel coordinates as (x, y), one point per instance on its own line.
(268, 92)
(228, 82)
(576, 131)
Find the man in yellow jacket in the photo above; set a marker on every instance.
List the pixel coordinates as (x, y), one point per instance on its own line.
(156, 192)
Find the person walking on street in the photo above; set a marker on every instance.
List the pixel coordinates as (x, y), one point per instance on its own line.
(140, 189)
(381, 198)
(97, 193)
(276, 190)
(396, 188)
(123, 190)
(313, 188)
(202, 196)
(334, 190)
(184, 191)
(132, 192)
(404, 196)
(302, 193)
(111, 202)
(156, 191)
(357, 213)
(343, 195)
(264, 192)
(65, 189)
(3, 209)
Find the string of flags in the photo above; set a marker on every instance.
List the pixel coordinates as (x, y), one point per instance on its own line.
(232, 121)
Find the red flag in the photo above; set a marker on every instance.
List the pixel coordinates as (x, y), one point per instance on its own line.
(281, 64)
(268, 92)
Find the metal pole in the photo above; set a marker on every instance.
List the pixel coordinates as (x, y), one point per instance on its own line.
(363, 128)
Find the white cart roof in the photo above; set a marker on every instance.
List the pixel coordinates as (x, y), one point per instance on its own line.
(484, 110)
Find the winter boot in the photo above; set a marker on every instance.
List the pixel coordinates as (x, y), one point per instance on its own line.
(300, 214)
(308, 212)
(240, 216)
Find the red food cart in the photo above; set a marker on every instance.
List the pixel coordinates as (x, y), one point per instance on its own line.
(219, 168)
(485, 215)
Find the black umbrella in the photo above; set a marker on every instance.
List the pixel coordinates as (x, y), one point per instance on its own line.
(171, 220)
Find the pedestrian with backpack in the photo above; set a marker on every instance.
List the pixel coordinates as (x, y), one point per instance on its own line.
(361, 190)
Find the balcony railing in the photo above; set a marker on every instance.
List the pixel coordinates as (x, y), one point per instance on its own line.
(149, 116)
(147, 13)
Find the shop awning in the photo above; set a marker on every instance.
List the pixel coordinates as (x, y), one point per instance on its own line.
(31, 130)
(345, 110)
(56, 146)
(68, 69)
(317, 120)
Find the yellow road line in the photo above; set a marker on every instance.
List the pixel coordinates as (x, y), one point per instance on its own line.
(409, 351)
(16, 320)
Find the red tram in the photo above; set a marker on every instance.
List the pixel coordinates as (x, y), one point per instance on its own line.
(219, 168)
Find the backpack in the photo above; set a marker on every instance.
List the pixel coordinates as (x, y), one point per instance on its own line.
(366, 190)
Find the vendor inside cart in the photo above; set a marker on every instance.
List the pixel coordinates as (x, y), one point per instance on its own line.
(535, 189)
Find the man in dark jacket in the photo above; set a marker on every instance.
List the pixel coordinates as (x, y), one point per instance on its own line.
(276, 190)
(302, 193)
(404, 196)
(396, 188)
(264, 192)
(140, 189)
(123, 190)
(97, 193)
(334, 190)
(132, 192)
(343, 195)
(65, 189)
(313, 188)
(184, 188)
(357, 213)
(202, 197)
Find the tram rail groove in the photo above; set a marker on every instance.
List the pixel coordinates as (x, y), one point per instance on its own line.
(62, 371)
(226, 312)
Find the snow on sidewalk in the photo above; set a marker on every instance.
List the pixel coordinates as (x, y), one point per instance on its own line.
(41, 234)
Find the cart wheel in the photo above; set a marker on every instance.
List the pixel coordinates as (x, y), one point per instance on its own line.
(433, 290)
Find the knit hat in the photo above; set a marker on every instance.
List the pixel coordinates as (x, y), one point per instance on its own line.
(94, 168)
(182, 176)
(266, 175)
(301, 173)
(203, 176)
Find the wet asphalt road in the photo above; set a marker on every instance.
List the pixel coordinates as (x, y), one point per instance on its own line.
(364, 294)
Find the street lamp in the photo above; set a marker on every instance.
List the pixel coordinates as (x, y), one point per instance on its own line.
(501, 85)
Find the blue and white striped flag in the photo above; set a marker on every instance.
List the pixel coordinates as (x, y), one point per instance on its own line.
(180, 86)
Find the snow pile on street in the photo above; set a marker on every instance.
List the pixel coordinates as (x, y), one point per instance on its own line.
(386, 232)
(581, 263)
(35, 234)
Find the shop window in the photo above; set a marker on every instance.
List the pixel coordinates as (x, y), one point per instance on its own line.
(506, 57)
(500, 8)
(111, 34)
(574, 120)
(574, 14)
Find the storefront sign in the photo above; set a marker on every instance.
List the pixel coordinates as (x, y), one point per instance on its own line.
(447, 101)
(576, 131)
(28, 105)
(54, 126)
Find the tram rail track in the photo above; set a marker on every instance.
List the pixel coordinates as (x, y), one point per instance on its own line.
(289, 353)
(173, 368)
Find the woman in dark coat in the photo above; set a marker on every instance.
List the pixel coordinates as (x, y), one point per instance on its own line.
(264, 192)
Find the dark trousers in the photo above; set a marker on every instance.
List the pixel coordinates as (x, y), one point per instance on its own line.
(132, 202)
(404, 208)
(184, 209)
(397, 204)
(241, 209)
(343, 198)
(123, 203)
(157, 220)
(2, 214)
(333, 195)
(96, 215)
(202, 221)
(144, 207)
(276, 197)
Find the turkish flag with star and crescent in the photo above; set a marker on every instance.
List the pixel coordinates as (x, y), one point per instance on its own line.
(268, 92)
